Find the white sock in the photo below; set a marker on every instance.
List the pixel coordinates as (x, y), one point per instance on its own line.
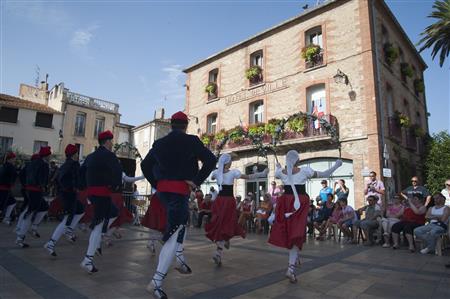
(220, 245)
(76, 218)
(94, 239)
(38, 219)
(109, 232)
(24, 227)
(293, 253)
(166, 257)
(59, 230)
(20, 220)
(9, 210)
(180, 254)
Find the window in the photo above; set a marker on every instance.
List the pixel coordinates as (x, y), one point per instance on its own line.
(313, 51)
(99, 126)
(256, 112)
(43, 120)
(9, 115)
(390, 101)
(314, 37)
(257, 60)
(384, 35)
(212, 82)
(5, 144)
(80, 150)
(316, 100)
(80, 124)
(38, 144)
(211, 123)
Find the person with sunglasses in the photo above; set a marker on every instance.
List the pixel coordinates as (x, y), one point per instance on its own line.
(446, 193)
(416, 189)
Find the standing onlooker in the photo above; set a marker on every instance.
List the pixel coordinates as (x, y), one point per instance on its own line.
(347, 220)
(213, 193)
(394, 212)
(274, 192)
(134, 206)
(446, 192)
(374, 187)
(325, 191)
(370, 222)
(438, 221)
(246, 211)
(263, 212)
(342, 190)
(416, 189)
(204, 209)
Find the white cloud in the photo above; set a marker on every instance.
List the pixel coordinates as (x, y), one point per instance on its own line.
(171, 85)
(81, 40)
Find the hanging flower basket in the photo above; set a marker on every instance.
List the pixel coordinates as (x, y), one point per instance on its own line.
(253, 73)
(391, 53)
(419, 87)
(310, 52)
(402, 119)
(406, 70)
(211, 88)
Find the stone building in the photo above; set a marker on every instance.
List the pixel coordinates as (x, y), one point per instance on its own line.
(359, 71)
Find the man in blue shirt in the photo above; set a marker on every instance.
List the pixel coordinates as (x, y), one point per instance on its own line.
(325, 191)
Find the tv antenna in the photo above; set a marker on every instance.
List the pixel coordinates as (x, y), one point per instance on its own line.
(37, 71)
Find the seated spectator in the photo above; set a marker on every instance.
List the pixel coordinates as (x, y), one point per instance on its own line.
(348, 218)
(246, 212)
(311, 215)
(204, 209)
(324, 213)
(413, 217)
(394, 212)
(370, 222)
(334, 219)
(199, 197)
(438, 221)
(263, 212)
(446, 192)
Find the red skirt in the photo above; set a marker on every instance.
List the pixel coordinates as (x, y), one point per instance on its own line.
(224, 221)
(124, 214)
(56, 207)
(155, 217)
(287, 232)
(88, 207)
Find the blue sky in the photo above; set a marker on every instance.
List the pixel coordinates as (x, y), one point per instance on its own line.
(132, 52)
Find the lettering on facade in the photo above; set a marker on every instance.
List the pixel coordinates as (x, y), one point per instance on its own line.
(255, 92)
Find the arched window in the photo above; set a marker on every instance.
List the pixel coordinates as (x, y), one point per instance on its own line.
(211, 123)
(316, 100)
(256, 111)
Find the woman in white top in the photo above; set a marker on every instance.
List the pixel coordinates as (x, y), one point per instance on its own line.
(224, 222)
(438, 223)
(289, 228)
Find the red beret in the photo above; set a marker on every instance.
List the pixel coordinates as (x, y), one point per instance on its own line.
(35, 156)
(45, 151)
(10, 155)
(105, 135)
(180, 117)
(71, 150)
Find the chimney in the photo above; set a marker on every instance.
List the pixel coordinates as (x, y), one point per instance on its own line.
(44, 86)
(159, 114)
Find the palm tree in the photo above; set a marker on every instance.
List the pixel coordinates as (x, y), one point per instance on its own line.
(437, 35)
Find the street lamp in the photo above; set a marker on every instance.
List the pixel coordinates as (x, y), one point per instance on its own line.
(341, 77)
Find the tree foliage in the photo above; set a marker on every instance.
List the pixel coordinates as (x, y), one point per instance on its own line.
(437, 161)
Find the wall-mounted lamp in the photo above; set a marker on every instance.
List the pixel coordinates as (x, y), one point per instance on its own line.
(341, 77)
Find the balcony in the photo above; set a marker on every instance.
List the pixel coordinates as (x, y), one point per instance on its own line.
(395, 130)
(90, 102)
(312, 133)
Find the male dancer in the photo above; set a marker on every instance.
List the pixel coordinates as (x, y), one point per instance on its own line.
(68, 184)
(8, 175)
(103, 175)
(36, 181)
(172, 166)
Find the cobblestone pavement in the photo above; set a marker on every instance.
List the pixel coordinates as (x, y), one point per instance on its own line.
(251, 269)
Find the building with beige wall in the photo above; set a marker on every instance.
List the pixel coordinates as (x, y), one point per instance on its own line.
(25, 126)
(347, 81)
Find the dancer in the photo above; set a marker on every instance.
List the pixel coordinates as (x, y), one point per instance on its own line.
(36, 182)
(172, 166)
(68, 182)
(156, 220)
(8, 175)
(289, 229)
(224, 222)
(103, 174)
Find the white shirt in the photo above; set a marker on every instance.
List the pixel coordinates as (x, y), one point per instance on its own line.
(299, 178)
(447, 196)
(228, 177)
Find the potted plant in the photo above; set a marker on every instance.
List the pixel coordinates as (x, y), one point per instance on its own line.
(310, 52)
(253, 73)
(419, 87)
(406, 70)
(272, 125)
(211, 88)
(418, 131)
(391, 53)
(236, 134)
(206, 139)
(297, 124)
(256, 129)
(220, 136)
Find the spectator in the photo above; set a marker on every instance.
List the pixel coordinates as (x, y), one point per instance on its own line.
(311, 215)
(374, 187)
(446, 192)
(213, 193)
(246, 211)
(438, 221)
(370, 222)
(263, 212)
(416, 189)
(394, 212)
(320, 222)
(274, 192)
(334, 219)
(348, 218)
(413, 216)
(199, 197)
(325, 191)
(342, 190)
(193, 211)
(134, 207)
(204, 209)
(238, 202)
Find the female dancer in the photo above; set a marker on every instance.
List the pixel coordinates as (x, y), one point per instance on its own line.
(289, 229)
(224, 222)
